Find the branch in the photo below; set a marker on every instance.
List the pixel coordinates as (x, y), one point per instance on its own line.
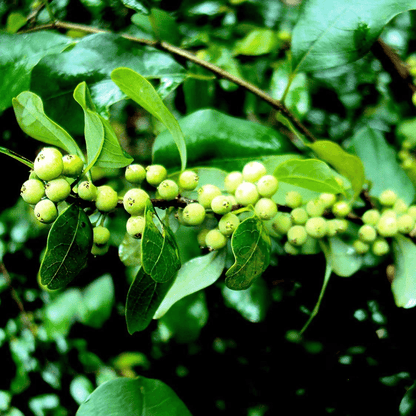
(179, 52)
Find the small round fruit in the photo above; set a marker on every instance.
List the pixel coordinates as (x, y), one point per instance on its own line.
(412, 211)
(371, 217)
(101, 235)
(282, 223)
(134, 201)
(73, 165)
(221, 205)
(315, 208)
(360, 246)
(400, 206)
(316, 227)
(135, 226)
(215, 240)
(367, 233)
(188, 180)
(156, 174)
(388, 198)
(327, 199)
(380, 247)
(193, 214)
(266, 208)
(135, 173)
(405, 223)
(201, 237)
(45, 211)
(253, 171)
(297, 235)
(299, 216)
(333, 227)
(57, 189)
(293, 199)
(32, 191)
(97, 250)
(267, 186)
(341, 209)
(87, 191)
(232, 180)
(290, 249)
(387, 226)
(206, 194)
(107, 198)
(228, 224)
(246, 193)
(48, 164)
(168, 189)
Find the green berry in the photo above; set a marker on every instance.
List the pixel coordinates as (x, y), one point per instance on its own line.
(206, 194)
(134, 201)
(32, 191)
(327, 199)
(135, 173)
(316, 227)
(253, 171)
(297, 235)
(387, 226)
(45, 211)
(412, 211)
(267, 186)
(188, 180)
(156, 174)
(405, 223)
(87, 191)
(48, 164)
(360, 246)
(101, 235)
(336, 226)
(282, 223)
(371, 217)
(201, 237)
(193, 214)
(168, 189)
(293, 199)
(246, 193)
(97, 250)
(135, 226)
(380, 247)
(228, 224)
(291, 249)
(341, 209)
(400, 206)
(215, 240)
(388, 198)
(232, 180)
(57, 189)
(73, 165)
(315, 208)
(107, 198)
(221, 205)
(266, 208)
(299, 216)
(367, 233)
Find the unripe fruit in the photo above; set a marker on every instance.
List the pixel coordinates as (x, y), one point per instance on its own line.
(388, 198)
(45, 211)
(206, 194)
(297, 235)
(361, 247)
(246, 193)
(371, 217)
(228, 224)
(201, 237)
(315, 208)
(336, 226)
(316, 227)
(135, 226)
(156, 174)
(232, 180)
(405, 223)
(400, 206)
(282, 223)
(412, 211)
(168, 190)
(48, 164)
(299, 216)
(367, 233)
(328, 199)
(265, 208)
(221, 205)
(135, 173)
(387, 226)
(215, 240)
(73, 165)
(193, 214)
(134, 201)
(97, 250)
(380, 247)
(293, 199)
(290, 249)
(57, 189)
(107, 198)
(341, 209)
(32, 191)
(188, 180)
(253, 171)
(342, 225)
(232, 200)
(267, 186)
(87, 191)
(101, 235)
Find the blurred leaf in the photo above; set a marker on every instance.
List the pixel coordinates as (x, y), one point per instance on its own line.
(41, 405)
(257, 42)
(135, 5)
(408, 403)
(381, 165)
(80, 388)
(250, 243)
(69, 244)
(164, 26)
(342, 257)
(139, 397)
(14, 22)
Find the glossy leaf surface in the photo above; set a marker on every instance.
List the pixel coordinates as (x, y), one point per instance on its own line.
(342, 257)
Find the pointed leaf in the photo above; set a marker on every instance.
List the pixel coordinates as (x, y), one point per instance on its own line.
(164, 26)
(342, 257)
(69, 244)
(16, 156)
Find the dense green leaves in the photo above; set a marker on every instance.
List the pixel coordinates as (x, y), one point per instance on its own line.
(69, 244)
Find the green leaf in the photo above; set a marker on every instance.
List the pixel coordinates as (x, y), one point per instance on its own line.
(18, 55)
(216, 139)
(143, 298)
(404, 283)
(164, 26)
(69, 244)
(331, 33)
(344, 163)
(342, 257)
(311, 174)
(208, 268)
(381, 165)
(160, 256)
(408, 403)
(14, 155)
(14, 22)
(251, 247)
(133, 397)
(142, 92)
(28, 108)
(257, 42)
